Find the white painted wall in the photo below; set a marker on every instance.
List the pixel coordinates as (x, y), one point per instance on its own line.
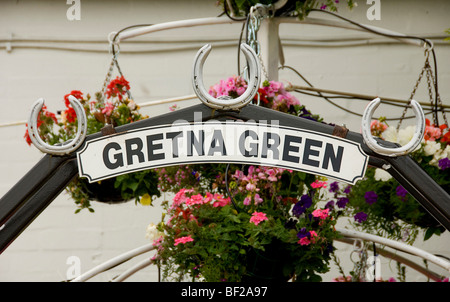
(33, 65)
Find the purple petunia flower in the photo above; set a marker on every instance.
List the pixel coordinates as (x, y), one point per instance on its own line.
(334, 187)
(303, 233)
(329, 205)
(444, 163)
(400, 191)
(360, 217)
(347, 189)
(342, 202)
(301, 206)
(371, 197)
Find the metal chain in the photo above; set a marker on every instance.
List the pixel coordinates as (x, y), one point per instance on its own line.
(110, 71)
(422, 72)
(430, 92)
(431, 82)
(257, 13)
(109, 74)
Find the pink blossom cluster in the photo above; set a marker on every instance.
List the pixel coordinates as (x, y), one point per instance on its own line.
(258, 217)
(183, 240)
(321, 214)
(181, 174)
(233, 86)
(257, 178)
(182, 197)
(432, 133)
(319, 184)
(309, 239)
(216, 200)
(377, 127)
(276, 92)
(272, 94)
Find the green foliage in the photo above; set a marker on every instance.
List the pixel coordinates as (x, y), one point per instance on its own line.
(299, 9)
(225, 244)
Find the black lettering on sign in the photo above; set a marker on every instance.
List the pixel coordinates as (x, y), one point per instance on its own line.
(271, 141)
(117, 156)
(288, 139)
(134, 151)
(308, 152)
(335, 158)
(253, 152)
(217, 144)
(174, 136)
(152, 147)
(199, 144)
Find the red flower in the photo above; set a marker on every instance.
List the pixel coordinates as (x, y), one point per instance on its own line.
(262, 96)
(43, 114)
(75, 93)
(117, 87)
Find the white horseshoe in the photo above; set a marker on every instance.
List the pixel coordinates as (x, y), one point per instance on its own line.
(66, 147)
(225, 102)
(392, 152)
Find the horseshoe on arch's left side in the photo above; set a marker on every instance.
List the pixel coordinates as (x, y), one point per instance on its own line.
(66, 147)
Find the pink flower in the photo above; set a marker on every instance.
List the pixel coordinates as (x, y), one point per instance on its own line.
(308, 239)
(195, 199)
(258, 199)
(322, 214)
(157, 242)
(272, 174)
(319, 184)
(258, 217)
(247, 200)
(377, 127)
(220, 200)
(109, 107)
(180, 197)
(304, 241)
(183, 240)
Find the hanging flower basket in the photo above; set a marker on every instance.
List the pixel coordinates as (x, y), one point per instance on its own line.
(105, 192)
(112, 107)
(268, 265)
(388, 206)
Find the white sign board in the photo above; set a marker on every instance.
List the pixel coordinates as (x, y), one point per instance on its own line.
(222, 142)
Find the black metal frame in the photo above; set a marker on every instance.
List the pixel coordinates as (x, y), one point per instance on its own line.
(45, 181)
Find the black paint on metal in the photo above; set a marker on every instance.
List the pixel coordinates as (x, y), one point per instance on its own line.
(38, 188)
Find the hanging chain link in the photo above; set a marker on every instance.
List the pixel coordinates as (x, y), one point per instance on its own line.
(113, 63)
(257, 13)
(426, 69)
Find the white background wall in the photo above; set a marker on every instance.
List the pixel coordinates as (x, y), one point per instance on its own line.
(43, 54)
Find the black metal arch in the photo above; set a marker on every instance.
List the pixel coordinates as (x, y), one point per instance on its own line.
(46, 180)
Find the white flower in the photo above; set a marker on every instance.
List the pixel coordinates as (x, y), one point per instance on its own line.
(405, 135)
(382, 175)
(431, 147)
(152, 232)
(447, 151)
(390, 134)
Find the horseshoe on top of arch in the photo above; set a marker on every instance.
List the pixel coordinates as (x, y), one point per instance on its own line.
(226, 102)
